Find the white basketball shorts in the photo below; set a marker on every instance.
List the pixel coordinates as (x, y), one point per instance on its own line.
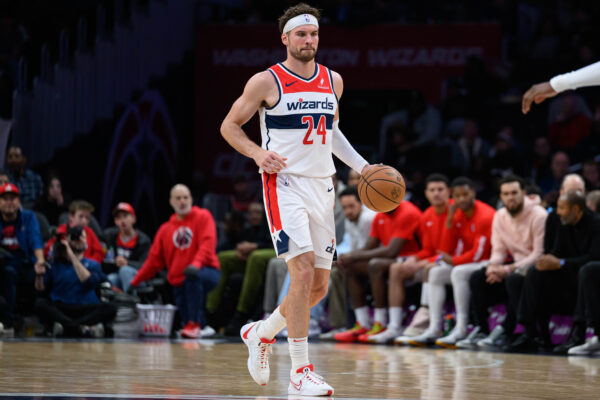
(300, 214)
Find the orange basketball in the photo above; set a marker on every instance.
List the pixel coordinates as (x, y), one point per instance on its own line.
(382, 188)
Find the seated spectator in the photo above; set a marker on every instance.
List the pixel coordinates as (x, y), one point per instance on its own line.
(559, 168)
(353, 178)
(242, 195)
(233, 225)
(80, 212)
(29, 183)
(534, 193)
(411, 270)
(591, 175)
(393, 234)
(551, 286)
(505, 156)
(541, 160)
(4, 178)
(470, 226)
(518, 235)
(52, 203)
(570, 126)
(73, 309)
(250, 257)
(127, 247)
(20, 251)
(570, 182)
(357, 225)
(185, 245)
(592, 201)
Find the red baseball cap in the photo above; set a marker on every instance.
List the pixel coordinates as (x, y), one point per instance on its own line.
(122, 206)
(9, 188)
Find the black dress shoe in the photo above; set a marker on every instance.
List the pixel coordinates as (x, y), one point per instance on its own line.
(573, 341)
(522, 344)
(544, 345)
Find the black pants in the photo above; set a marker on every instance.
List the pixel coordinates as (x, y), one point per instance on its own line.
(485, 295)
(544, 293)
(588, 296)
(72, 316)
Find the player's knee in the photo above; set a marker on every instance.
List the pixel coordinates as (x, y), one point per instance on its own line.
(318, 292)
(396, 271)
(304, 274)
(375, 266)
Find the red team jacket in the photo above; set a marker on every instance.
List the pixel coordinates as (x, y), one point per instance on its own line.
(474, 234)
(431, 229)
(403, 223)
(179, 243)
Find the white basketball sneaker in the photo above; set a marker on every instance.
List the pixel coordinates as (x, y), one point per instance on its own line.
(304, 382)
(259, 350)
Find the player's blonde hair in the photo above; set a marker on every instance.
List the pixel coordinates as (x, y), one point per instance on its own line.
(298, 9)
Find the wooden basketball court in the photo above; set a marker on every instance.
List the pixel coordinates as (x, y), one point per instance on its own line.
(209, 369)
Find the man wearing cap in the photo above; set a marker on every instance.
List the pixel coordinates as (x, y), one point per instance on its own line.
(21, 254)
(29, 183)
(127, 247)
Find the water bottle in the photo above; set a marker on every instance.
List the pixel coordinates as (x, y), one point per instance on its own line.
(110, 256)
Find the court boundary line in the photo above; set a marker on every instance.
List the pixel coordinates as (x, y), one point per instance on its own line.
(176, 397)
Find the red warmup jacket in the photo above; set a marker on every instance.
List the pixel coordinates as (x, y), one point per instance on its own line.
(403, 223)
(431, 229)
(94, 247)
(179, 243)
(474, 233)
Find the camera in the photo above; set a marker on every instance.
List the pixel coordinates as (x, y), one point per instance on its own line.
(59, 250)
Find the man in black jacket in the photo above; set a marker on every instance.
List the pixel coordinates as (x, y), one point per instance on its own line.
(552, 285)
(250, 256)
(127, 247)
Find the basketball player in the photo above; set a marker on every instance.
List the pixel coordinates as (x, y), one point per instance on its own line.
(297, 101)
(586, 76)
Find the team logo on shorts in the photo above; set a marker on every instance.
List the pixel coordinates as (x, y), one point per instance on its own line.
(331, 249)
(182, 238)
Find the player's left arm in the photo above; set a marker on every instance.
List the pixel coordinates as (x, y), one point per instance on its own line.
(340, 145)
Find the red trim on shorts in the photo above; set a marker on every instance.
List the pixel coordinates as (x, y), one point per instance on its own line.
(270, 188)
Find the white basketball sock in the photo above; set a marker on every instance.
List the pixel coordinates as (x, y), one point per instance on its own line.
(437, 295)
(425, 294)
(395, 318)
(381, 316)
(298, 352)
(362, 316)
(268, 328)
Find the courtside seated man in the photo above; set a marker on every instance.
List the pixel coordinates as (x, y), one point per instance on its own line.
(297, 101)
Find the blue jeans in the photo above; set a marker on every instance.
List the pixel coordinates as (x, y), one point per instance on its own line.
(190, 297)
(15, 272)
(122, 277)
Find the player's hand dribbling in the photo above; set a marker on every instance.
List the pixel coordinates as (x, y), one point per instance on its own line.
(270, 162)
(537, 93)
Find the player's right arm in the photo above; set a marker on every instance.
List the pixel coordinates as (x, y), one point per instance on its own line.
(586, 76)
(260, 90)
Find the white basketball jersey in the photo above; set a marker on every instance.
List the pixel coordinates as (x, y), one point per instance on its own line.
(299, 126)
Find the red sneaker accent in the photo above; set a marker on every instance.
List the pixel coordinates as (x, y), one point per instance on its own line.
(245, 335)
(266, 340)
(350, 335)
(301, 369)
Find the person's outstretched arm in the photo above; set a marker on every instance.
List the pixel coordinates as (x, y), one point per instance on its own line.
(586, 76)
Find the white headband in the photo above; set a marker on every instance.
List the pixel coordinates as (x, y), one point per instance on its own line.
(303, 19)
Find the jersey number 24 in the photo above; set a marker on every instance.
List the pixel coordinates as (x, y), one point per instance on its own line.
(308, 119)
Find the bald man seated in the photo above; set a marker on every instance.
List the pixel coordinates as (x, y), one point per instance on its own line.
(186, 246)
